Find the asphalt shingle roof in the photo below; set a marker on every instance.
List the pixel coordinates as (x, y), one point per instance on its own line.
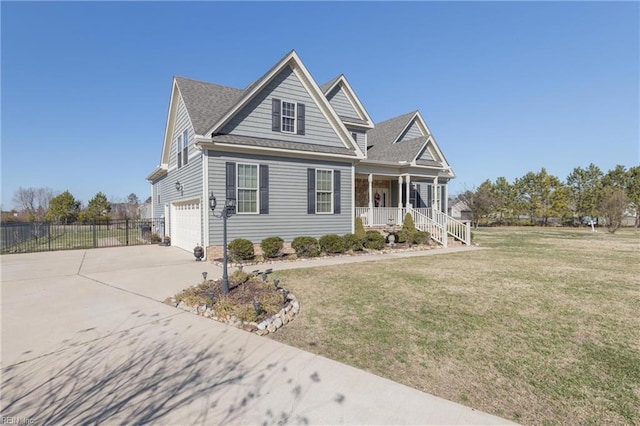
(272, 143)
(206, 102)
(328, 84)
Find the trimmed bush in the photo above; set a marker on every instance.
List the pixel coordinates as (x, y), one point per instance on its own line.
(359, 231)
(420, 237)
(306, 246)
(404, 236)
(352, 242)
(373, 240)
(331, 243)
(240, 249)
(272, 246)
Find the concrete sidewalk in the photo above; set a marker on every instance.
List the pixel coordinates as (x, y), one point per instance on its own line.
(85, 340)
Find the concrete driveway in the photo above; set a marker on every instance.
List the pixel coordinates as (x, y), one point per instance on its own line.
(86, 340)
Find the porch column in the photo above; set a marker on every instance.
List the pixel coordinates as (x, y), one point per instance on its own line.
(408, 191)
(436, 201)
(400, 216)
(370, 209)
(445, 201)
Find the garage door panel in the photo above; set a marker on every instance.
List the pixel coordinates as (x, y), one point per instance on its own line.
(186, 224)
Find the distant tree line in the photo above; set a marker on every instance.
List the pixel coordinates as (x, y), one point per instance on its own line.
(42, 204)
(586, 194)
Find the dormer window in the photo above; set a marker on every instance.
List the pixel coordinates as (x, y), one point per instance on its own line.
(287, 117)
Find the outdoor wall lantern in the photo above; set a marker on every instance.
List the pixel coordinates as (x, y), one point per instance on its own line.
(179, 186)
(228, 210)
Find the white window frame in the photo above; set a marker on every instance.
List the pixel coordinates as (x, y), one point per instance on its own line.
(179, 151)
(238, 188)
(294, 118)
(185, 147)
(332, 191)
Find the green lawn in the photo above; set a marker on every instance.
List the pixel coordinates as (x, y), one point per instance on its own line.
(543, 327)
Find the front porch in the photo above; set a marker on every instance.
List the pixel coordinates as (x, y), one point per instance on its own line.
(439, 225)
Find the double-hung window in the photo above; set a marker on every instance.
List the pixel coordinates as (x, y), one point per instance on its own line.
(288, 117)
(179, 150)
(185, 147)
(247, 199)
(324, 191)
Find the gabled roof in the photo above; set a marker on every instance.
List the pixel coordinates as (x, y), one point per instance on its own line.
(206, 102)
(363, 119)
(384, 143)
(292, 60)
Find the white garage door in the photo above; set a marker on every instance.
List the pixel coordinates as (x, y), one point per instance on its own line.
(186, 224)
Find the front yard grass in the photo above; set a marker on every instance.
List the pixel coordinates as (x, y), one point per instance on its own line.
(542, 328)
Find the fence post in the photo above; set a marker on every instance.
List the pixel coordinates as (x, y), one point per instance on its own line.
(95, 236)
(126, 232)
(49, 235)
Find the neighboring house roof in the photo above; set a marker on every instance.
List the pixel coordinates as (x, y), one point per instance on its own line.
(206, 102)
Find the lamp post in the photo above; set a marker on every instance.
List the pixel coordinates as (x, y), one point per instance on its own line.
(228, 209)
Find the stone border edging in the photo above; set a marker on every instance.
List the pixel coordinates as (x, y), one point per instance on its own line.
(264, 327)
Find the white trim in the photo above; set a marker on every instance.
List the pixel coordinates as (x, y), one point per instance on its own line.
(331, 209)
(205, 200)
(353, 99)
(294, 118)
(257, 166)
(292, 60)
(286, 152)
(353, 198)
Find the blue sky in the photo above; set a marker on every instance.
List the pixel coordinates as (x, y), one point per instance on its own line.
(505, 87)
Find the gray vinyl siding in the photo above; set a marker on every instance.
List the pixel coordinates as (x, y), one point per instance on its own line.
(287, 217)
(339, 101)
(190, 176)
(426, 155)
(412, 132)
(255, 118)
(182, 122)
(362, 139)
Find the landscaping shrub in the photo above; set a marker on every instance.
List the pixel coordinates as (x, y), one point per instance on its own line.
(306, 246)
(408, 223)
(420, 237)
(240, 249)
(331, 243)
(373, 240)
(404, 236)
(272, 246)
(352, 242)
(359, 231)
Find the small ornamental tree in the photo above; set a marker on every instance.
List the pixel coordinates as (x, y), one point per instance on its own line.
(359, 231)
(612, 206)
(63, 208)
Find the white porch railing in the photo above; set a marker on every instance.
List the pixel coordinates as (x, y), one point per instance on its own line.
(438, 224)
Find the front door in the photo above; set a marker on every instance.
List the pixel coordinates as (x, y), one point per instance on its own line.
(382, 198)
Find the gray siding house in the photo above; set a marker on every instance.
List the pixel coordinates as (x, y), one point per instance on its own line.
(297, 158)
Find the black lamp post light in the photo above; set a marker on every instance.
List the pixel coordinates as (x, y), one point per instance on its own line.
(227, 211)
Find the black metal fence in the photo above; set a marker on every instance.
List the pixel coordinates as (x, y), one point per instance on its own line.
(47, 236)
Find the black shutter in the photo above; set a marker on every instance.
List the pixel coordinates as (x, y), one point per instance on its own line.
(336, 191)
(300, 119)
(264, 189)
(311, 191)
(230, 182)
(275, 115)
